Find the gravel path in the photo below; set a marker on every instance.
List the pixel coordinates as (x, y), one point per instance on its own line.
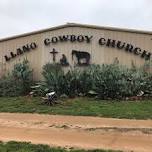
(78, 131)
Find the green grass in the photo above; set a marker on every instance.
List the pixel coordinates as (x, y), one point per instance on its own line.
(80, 106)
(13, 146)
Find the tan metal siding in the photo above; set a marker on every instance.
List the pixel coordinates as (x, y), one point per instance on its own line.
(99, 54)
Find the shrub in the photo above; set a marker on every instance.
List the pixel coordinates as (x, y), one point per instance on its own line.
(71, 83)
(9, 87)
(18, 82)
(116, 82)
(108, 81)
(23, 75)
(53, 75)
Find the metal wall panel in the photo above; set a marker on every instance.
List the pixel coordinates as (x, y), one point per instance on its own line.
(99, 54)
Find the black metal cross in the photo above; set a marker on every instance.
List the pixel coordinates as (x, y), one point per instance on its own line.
(54, 52)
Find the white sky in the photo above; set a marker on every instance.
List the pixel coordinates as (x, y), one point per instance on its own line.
(21, 16)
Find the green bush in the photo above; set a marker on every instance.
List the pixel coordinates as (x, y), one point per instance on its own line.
(18, 82)
(116, 82)
(53, 75)
(10, 87)
(71, 83)
(23, 75)
(108, 81)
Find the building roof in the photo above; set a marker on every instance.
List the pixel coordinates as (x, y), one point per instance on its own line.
(77, 25)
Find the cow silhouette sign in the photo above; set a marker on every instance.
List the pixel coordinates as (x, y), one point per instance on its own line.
(83, 58)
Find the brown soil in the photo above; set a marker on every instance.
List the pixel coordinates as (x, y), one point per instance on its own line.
(78, 131)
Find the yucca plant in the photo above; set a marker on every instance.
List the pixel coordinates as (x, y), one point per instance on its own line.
(53, 76)
(107, 81)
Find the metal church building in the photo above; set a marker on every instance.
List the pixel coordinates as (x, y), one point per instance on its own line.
(76, 45)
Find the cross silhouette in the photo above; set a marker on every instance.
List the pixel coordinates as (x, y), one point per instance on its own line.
(54, 52)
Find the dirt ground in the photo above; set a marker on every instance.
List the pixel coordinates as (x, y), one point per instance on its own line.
(77, 131)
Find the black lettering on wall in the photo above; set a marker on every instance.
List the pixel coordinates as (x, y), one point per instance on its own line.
(120, 45)
(6, 58)
(33, 45)
(26, 48)
(19, 51)
(129, 47)
(12, 55)
(146, 55)
(47, 41)
(54, 40)
(80, 38)
(88, 39)
(137, 51)
(102, 41)
(111, 43)
(72, 38)
(64, 38)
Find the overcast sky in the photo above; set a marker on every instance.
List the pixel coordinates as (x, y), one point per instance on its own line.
(22, 16)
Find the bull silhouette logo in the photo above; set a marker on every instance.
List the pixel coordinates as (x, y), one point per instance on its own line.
(83, 58)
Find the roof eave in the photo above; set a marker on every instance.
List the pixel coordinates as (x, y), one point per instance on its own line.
(77, 25)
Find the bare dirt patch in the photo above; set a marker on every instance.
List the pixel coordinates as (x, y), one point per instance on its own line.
(78, 131)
